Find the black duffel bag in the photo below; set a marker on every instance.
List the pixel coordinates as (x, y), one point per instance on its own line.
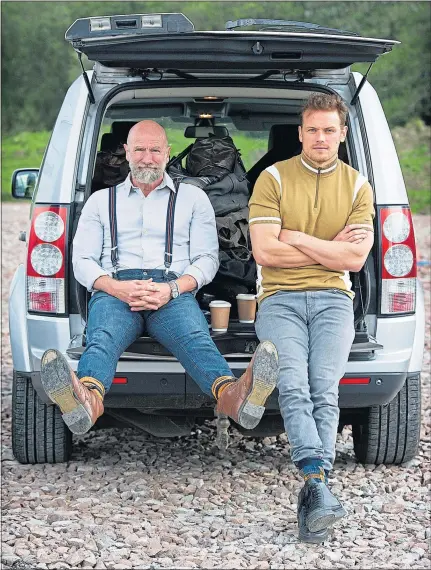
(212, 156)
(214, 164)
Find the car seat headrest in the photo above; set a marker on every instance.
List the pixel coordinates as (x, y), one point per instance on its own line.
(108, 142)
(280, 135)
(120, 130)
(283, 142)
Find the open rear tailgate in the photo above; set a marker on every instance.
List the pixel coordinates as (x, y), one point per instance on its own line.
(125, 43)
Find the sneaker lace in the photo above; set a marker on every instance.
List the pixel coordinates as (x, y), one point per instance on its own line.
(316, 496)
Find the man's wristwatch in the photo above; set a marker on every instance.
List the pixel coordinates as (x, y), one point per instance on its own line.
(175, 292)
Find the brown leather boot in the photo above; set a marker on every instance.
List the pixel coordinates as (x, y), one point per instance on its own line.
(80, 401)
(244, 399)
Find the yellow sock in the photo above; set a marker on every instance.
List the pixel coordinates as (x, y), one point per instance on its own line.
(220, 384)
(94, 384)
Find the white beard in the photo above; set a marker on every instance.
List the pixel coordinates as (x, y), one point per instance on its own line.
(146, 175)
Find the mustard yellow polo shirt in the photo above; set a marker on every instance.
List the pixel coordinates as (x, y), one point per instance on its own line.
(300, 196)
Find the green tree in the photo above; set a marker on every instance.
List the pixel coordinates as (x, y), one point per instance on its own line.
(35, 65)
(38, 64)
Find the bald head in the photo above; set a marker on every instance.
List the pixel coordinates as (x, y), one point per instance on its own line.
(147, 129)
(147, 151)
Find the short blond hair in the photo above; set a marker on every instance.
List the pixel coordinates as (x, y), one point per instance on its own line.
(325, 102)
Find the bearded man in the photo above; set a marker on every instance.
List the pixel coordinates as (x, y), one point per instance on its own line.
(144, 248)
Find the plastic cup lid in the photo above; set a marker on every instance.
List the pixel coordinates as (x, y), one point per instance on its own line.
(220, 304)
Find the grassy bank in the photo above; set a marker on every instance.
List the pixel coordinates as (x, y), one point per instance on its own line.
(20, 151)
(413, 146)
(412, 142)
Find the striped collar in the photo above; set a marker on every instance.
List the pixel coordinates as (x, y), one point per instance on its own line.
(313, 167)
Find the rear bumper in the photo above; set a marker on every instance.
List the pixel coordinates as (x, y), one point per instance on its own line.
(177, 391)
(381, 389)
(181, 391)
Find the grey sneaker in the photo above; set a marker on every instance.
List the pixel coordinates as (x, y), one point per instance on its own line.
(321, 508)
(304, 534)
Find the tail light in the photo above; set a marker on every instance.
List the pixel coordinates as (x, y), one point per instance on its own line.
(398, 262)
(351, 381)
(119, 380)
(46, 260)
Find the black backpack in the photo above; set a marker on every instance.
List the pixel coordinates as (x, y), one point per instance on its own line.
(111, 168)
(214, 164)
(212, 156)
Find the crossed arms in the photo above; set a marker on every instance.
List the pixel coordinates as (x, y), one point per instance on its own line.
(288, 249)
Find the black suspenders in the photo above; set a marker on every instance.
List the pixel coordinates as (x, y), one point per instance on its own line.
(169, 239)
(113, 227)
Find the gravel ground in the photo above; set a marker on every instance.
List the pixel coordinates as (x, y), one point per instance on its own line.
(128, 500)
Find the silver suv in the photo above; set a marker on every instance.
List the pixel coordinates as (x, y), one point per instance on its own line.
(252, 85)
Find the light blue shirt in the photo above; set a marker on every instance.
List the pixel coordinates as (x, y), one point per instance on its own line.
(141, 228)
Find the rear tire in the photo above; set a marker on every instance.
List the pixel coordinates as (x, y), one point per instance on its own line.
(39, 434)
(390, 434)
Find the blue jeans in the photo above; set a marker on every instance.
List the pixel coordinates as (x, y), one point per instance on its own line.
(179, 326)
(313, 332)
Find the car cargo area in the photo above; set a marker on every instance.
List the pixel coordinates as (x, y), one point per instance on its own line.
(263, 124)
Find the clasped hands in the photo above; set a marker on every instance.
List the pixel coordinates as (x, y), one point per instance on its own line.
(142, 295)
(353, 233)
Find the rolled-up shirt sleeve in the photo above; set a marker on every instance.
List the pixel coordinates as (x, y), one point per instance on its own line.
(204, 248)
(87, 245)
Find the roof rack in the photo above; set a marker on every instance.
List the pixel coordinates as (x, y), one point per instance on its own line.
(285, 26)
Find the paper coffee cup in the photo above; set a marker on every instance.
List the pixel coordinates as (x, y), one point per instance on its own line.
(246, 308)
(220, 311)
